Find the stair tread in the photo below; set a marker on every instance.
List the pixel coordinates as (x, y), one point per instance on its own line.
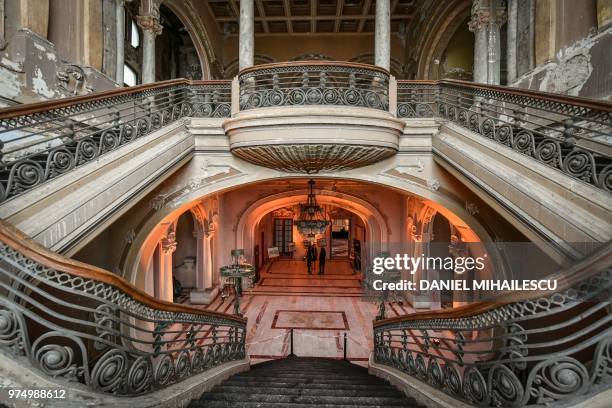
(233, 404)
(296, 382)
(378, 391)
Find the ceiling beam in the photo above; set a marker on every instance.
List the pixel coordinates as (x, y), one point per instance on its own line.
(313, 16)
(316, 18)
(287, 7)
(212, 13)
(339, 8)
(365, 11)
(262, 12)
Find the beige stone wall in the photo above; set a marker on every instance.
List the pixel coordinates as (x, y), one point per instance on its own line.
(75, 27)
(30, 14)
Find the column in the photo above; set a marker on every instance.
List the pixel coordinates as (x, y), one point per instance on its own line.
(205, 293)
(382, 35)
(498, 14)
(168, 246)
(151, 28)
(487, 18)
(511, 60)
(120, 28)
(478, 25)
(246, 42)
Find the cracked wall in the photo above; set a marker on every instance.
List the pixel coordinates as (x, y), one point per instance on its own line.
(580, 69)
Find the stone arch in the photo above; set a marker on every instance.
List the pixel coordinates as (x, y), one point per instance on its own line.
(369, 214)
(444, 203)
(197, 32)
(439, 30)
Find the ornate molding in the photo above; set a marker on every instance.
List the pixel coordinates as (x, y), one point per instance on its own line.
(313, 158)
(168, 243)
(150, 22)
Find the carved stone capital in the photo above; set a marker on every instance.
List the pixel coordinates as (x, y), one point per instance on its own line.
(479, 19)
(487, 12)
(150, 23)
(168, 243)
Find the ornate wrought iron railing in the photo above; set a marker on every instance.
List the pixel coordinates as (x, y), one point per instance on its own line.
(83, 324)
(41, 141)
(548, 350)
(573, 135)
(314, 83)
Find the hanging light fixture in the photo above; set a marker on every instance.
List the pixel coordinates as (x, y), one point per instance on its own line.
(311, 221)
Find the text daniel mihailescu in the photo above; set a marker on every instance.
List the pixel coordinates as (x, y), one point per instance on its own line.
(459, 265)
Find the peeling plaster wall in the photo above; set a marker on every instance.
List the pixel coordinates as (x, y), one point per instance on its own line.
(32, 70)
(581, 69)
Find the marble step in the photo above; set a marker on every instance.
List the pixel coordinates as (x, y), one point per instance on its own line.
(304, 380)
(305, 399)
(306, 390)
(233, 404)
(303, 374)
(292, 384)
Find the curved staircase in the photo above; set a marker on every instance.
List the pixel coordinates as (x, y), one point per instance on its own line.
(304, 382)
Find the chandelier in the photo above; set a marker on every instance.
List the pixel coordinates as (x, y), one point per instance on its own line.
(311, 221)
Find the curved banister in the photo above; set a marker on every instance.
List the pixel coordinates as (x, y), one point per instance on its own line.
(84, 324)
(300, 83)
(517, 350)
(314, 63)
(19, 241)
(566, 278)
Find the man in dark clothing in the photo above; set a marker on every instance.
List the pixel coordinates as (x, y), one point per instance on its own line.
(322, 255)
(314, 257)
(309, 259)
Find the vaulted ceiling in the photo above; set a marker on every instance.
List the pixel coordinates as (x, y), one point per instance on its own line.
(278, 17)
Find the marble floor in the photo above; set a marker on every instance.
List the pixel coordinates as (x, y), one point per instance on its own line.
(319, 308)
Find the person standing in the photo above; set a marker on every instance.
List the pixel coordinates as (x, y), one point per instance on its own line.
(309, 259)
(322, 255)
(314, 258)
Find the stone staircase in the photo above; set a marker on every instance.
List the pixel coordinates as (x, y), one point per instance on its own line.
(304, 382)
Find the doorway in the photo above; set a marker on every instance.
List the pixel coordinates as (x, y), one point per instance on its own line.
(340, 235)
(283, 236)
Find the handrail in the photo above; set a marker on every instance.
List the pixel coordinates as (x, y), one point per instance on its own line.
(568, 99)
(84, 324)
(517, 350)
(22, 243)
(570, 134)
(288, 64)
(314, 83)
(41, 141)
(36, 107)
(548, 96)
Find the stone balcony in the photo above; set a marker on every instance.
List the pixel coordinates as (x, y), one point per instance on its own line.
(313, 116)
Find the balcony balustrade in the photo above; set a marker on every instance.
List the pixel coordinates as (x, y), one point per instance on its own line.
(314, 83)
(313, 116)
